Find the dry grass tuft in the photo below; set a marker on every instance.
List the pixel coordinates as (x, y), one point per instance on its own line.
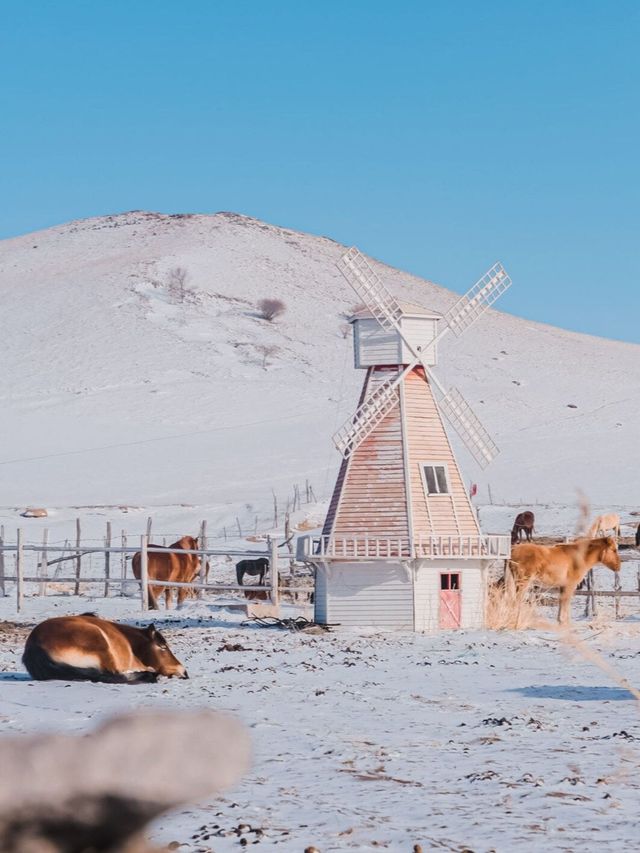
(501, 613)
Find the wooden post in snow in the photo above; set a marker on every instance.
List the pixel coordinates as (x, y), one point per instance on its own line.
(44, 570)
(3, 591)
(149, 520)
(202, 541)
(288, 537)
(144, 571)
(107, 559)
(273, 570)
(19, 571)
(123, 562)
(76, 590)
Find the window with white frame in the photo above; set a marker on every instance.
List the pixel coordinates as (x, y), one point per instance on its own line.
(435, 477)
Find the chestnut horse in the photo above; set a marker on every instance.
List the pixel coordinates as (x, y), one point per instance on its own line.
(524, 522)
(168, 567)
(604, 525)
(562, 566)
(87, 648)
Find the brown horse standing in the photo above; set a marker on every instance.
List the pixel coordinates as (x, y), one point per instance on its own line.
(168, 567)
(562, 566)
(87, 648)
(524, 522)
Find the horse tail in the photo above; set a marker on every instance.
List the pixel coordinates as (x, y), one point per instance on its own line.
(239, 575)
(42, 667)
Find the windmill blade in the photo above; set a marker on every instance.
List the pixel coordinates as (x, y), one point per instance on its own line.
(369, 287)
(367, 416)
(474, 303)
(466, 423)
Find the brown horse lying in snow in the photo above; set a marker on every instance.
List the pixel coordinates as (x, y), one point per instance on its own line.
(562, 566)
(183, 568)
(87, 648)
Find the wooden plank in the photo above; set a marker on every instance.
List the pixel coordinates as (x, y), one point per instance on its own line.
(144, 571)
(76, 590)
(107, 560)
(19, 571)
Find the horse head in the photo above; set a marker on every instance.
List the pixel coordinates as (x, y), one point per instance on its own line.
(158, 655)
(609, 555)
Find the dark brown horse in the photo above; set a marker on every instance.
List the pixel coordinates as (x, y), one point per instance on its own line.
(87, 648)
(524, 523)
(258, 567)
(168, 567)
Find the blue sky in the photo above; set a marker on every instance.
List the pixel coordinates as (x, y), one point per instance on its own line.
(437, 136)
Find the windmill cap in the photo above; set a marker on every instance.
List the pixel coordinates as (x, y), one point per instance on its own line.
(408, 310)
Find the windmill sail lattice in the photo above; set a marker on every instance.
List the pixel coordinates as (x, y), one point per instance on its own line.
(369, 287)
(367, 417)
(463, 419)
(475, 302)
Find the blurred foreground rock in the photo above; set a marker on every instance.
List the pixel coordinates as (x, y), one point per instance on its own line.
(84, 794)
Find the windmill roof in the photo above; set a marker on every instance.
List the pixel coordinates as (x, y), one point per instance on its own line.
(408, 309)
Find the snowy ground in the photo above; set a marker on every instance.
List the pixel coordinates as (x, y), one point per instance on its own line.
(461, 741)
(121, 401)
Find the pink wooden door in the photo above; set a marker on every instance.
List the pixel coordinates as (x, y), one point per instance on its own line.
(450, 600)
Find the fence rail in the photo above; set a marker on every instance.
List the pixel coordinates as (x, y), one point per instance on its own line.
(487, 547)
(74, 553)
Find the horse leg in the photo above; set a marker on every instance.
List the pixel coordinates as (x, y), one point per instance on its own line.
(522, 585)
(564, 604)
(153, 601)
(167, 597)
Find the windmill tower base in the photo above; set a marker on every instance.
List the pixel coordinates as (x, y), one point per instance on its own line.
(406, 595)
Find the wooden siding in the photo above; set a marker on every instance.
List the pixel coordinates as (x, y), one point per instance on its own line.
(320, 596)
(344, 465)
(419, 331)
(427, 441)
(378, 595)
(373, 499)
(374, 345)
(427, 595)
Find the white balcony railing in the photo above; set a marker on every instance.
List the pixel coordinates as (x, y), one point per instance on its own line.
(487, 547)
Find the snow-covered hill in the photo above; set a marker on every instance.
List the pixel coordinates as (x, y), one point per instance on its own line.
(116, 392)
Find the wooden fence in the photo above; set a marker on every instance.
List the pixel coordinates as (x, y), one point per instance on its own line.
(74, 554)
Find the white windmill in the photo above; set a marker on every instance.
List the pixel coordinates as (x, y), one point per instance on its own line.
(401, 546)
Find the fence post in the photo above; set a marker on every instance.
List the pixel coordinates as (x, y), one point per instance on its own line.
(203, 557)
(19, 571)
(44, 570)
(123, 563)
(149, 520)
(107, 560)
(287, 538)
(2, 589)
(273, 566)
(144, 571)
(78, 559)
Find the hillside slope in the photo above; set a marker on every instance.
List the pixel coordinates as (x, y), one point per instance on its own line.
(114, 392)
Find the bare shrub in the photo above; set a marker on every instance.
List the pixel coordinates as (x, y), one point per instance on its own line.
(177, 283)
(266, 350)
(502, 612)
(345, 328)
(269, 309)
